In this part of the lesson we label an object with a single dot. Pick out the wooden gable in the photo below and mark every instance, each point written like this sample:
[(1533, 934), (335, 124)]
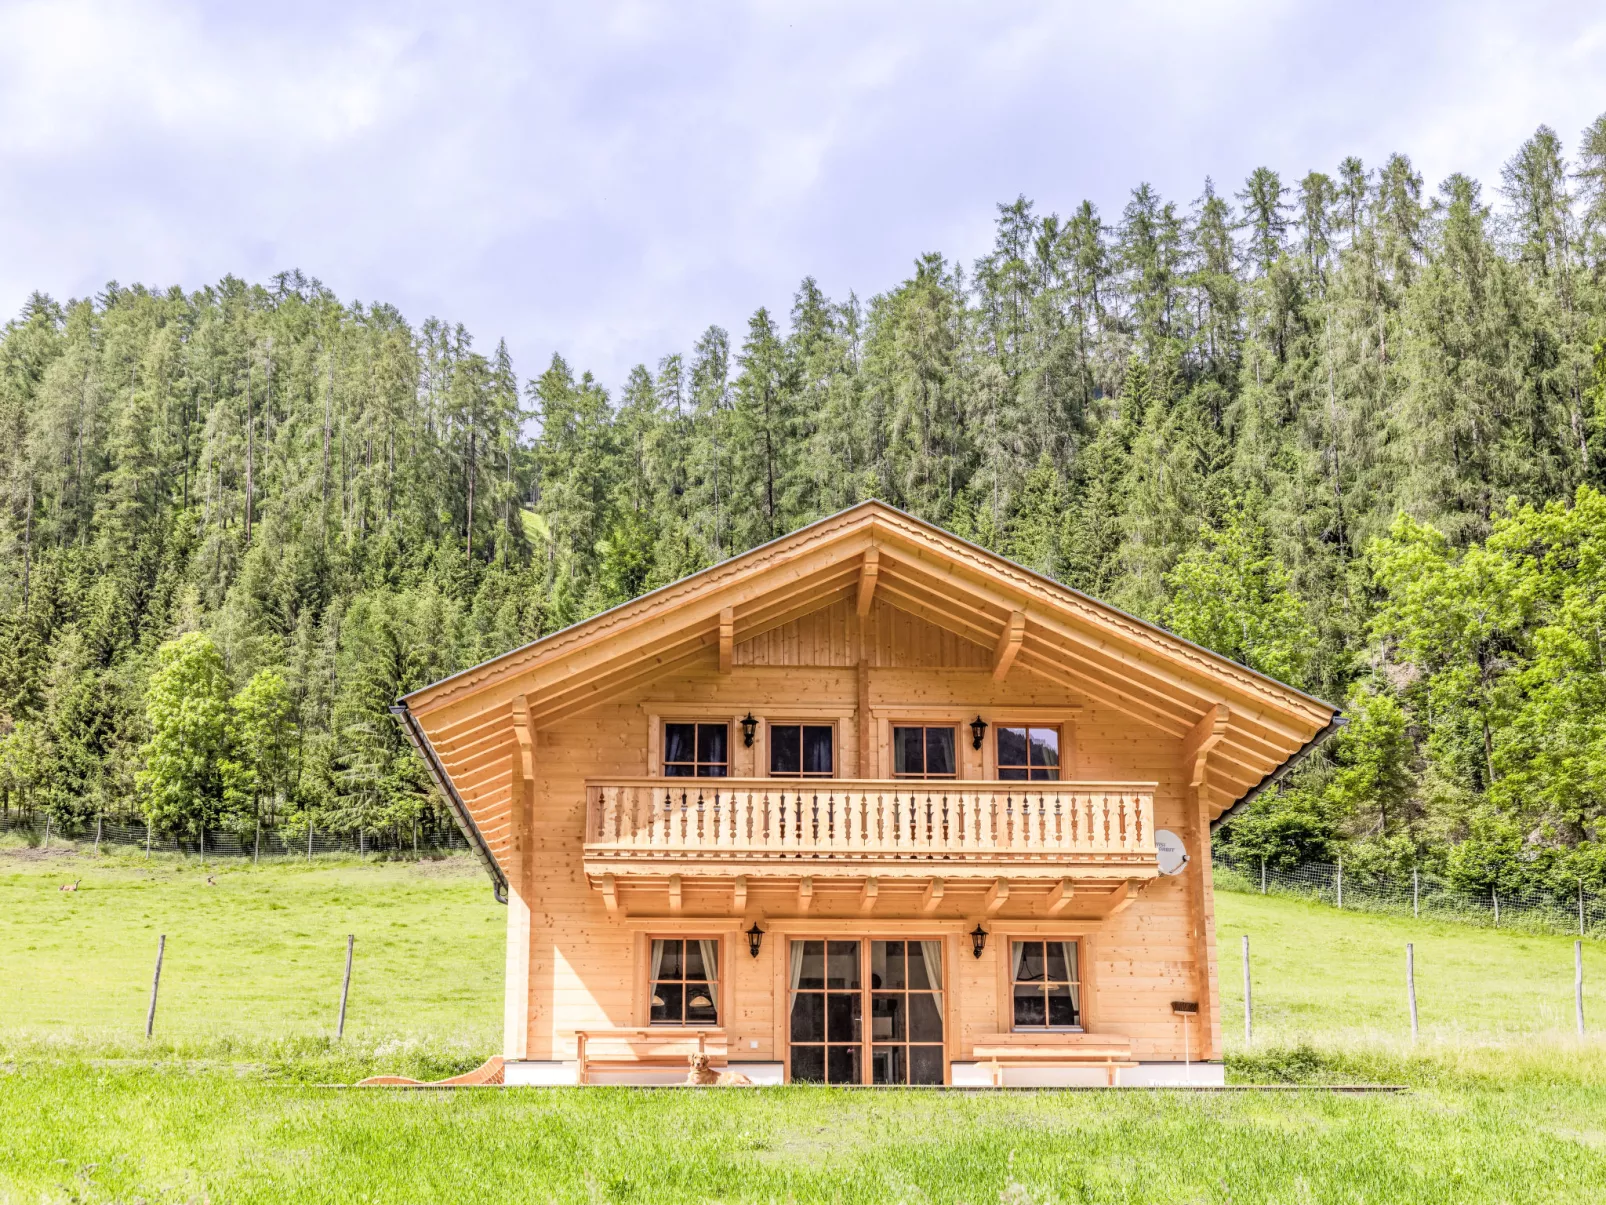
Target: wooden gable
[(930, 600), (895, 639)]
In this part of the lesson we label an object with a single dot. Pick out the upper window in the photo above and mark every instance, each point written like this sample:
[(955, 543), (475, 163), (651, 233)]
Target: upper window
[(922, 752), (1046, 986), (801, 750), (1032, 753), (685, 981), (696, 750)]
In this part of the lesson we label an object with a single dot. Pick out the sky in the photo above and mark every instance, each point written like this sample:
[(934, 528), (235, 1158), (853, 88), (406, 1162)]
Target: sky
[(604, 180)]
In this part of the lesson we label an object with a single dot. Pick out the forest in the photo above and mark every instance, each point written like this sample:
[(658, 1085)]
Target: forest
[(1348, 430)]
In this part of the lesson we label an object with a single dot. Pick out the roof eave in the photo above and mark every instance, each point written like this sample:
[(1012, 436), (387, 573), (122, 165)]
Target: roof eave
[(1338, 721)]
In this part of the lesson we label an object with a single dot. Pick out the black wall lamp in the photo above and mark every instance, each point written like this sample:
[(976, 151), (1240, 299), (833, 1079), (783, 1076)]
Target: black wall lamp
[(755, 938), (749, 727), (978, 940), (977, 727)]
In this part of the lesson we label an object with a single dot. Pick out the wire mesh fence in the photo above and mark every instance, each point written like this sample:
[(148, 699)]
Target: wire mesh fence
[(41, 831), (1421, 894)]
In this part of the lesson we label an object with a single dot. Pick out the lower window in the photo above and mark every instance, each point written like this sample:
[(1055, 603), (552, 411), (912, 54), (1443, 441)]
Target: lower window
[(684, 977), (835, 985), (1046, 985)]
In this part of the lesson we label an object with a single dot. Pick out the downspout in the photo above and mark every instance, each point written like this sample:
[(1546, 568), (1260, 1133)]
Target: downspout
[(460, 813), (1338, 721)]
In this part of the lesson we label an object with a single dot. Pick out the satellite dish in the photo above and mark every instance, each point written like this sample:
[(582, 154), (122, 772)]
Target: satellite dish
[(1172, 854)]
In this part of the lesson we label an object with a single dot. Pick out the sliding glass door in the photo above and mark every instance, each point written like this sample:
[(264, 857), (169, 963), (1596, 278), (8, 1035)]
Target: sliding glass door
[(835, 985)]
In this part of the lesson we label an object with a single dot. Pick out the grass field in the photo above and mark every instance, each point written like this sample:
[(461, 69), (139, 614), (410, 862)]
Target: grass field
[(1505, 1103)]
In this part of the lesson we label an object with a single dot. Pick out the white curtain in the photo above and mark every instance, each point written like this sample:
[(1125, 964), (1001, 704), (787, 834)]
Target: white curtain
[(710, 949), (1020, 954), (1075, 976), (931, 951), (657, 961), (797, 974)]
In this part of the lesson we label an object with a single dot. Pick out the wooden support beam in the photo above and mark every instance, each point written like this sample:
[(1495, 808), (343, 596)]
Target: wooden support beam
[(727, 638), (997, 895), (1201, 739), (805, 894), (1009, 645), (932, 897), (674, 894), (610, 894), (1060, 897), (869, 571), (1121, 898), (739, 896), (867, 898)]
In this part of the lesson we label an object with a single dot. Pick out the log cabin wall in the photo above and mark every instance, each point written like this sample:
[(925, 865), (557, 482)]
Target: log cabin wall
[(586, 963)]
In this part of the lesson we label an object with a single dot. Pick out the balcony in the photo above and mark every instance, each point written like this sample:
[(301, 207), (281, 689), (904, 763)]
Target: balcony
[(893, 827)]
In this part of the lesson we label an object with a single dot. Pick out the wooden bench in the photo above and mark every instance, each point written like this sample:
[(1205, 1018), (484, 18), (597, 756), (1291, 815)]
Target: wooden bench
[(1050, 1049), (644, 1048)]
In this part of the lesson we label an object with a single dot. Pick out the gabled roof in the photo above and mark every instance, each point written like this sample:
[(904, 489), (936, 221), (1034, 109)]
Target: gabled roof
[(1251, 726)]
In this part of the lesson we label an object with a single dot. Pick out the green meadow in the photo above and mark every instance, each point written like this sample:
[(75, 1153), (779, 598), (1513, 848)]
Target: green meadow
[(225, 1102)]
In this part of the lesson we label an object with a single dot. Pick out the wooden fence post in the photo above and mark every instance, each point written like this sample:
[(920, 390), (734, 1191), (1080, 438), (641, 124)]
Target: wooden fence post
[(1341, 883), (1263, 876), (203, 845), (1578, 984), (1249, 1032), (1410, 985), (47, 831), (309, 840), (156, 982), (345, 989), (1495, 896), (97, 835)]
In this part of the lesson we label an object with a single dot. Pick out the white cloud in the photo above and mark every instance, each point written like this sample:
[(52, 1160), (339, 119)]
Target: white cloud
[(605, 180)]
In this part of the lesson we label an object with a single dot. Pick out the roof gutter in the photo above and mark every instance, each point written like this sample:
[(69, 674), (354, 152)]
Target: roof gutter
[(460, 812), (1338, 721)]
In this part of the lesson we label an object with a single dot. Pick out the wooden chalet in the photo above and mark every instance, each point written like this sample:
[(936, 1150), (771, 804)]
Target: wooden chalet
[(868, 804)]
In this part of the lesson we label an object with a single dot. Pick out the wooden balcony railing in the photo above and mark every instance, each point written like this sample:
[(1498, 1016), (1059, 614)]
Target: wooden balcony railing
[(781, 819)]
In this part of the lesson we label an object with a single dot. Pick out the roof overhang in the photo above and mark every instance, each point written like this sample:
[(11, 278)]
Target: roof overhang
[(1251, 728)]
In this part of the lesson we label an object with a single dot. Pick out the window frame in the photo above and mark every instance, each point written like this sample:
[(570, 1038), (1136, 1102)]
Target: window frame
[(1008, 981), (1029, 726), (722, 994), (925, 726), (697, 723), (768, 746), (1066, 718)]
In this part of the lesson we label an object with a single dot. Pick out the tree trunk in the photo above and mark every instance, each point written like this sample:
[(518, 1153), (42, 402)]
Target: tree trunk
[(250, 457), (468, 523), (328, 419)]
